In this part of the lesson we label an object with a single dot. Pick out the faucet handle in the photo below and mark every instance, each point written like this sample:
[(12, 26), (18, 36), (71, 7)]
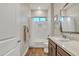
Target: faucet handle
[(64, 36)]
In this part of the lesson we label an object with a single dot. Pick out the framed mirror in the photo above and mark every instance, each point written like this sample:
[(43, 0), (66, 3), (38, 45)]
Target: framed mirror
[(69, 18), (68, 24)]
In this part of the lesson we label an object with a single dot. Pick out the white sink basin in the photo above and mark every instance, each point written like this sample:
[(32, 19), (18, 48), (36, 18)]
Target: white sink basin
[(58, 38), (61, 38), (65, 40)]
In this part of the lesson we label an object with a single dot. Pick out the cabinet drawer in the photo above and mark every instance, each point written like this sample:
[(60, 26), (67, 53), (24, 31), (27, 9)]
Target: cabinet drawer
[(52, 43), (62, 52)]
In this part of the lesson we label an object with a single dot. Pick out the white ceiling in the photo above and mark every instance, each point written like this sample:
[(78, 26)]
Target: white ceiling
[(43, 6)]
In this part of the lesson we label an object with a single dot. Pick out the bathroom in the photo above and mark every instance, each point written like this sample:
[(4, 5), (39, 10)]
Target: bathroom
[(39, 29)]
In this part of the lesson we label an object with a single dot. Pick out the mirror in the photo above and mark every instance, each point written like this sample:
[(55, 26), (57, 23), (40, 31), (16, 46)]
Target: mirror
[(68, 24), (69, 18)]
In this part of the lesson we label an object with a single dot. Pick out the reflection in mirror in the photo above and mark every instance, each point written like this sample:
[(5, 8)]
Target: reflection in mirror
[(70, 17), (68, 24)]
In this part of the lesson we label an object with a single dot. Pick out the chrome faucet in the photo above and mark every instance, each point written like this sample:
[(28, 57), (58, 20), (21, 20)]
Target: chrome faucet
[(64, 36)]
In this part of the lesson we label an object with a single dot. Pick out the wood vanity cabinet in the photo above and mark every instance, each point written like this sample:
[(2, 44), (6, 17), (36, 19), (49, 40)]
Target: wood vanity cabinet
[(51, 48), (61, 52), (55, 50)]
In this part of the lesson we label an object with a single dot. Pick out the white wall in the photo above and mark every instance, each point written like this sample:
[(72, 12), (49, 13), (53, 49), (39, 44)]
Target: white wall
[(24, 17), (43, 13), (57, 8), (51, 19)]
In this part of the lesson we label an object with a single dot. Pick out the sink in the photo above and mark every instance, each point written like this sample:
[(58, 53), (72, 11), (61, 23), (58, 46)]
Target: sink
[(65, 40), (59, 38)]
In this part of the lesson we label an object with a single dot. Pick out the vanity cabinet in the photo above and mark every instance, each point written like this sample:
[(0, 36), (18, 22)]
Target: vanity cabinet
[(51, 48), (61, 52), (55, 50)]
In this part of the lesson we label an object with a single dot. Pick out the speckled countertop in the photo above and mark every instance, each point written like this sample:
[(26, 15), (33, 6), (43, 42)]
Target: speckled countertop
[(70, 46)]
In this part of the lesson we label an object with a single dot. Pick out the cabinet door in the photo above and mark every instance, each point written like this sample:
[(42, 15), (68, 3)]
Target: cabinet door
[(62, 52), (58, 54), (53, 50), (49, 49)]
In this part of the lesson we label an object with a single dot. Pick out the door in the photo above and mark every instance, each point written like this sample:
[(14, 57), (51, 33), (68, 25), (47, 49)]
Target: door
[(9, 44)]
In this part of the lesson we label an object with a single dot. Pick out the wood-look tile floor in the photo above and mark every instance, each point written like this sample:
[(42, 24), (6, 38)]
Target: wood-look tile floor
[(36, 52)]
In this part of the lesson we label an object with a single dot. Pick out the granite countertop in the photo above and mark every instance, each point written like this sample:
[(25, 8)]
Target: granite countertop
[(70, 46)]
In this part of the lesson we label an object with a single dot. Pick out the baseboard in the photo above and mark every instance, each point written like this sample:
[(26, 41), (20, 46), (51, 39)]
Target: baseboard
[(25, 52)]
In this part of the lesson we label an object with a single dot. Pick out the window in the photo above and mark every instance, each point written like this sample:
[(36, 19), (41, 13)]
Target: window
[(39, 19), (35, 19), (42, 19), (61, 18)]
